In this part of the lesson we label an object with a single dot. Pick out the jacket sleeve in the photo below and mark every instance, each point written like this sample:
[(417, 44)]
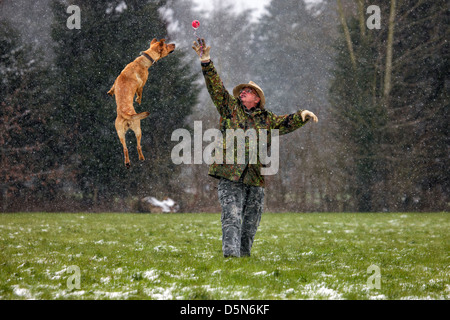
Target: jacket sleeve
[(219, 95), (286, 123)]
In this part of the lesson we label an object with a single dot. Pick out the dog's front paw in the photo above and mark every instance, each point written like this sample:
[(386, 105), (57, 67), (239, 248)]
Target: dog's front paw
[(128, 165)]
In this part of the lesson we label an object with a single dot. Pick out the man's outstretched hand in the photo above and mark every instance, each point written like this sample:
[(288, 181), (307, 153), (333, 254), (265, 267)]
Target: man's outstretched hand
[(201, 49), (306, 115)]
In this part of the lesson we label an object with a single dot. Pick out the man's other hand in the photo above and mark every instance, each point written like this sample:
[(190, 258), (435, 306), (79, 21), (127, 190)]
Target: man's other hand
[(306, 115)]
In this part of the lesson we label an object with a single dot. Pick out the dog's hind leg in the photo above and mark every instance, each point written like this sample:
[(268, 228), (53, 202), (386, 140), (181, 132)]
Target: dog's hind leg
[(121, 133), (138, 133)]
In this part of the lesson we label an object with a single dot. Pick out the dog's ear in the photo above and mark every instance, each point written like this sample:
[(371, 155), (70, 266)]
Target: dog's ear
[(153, 41), (161, 45)]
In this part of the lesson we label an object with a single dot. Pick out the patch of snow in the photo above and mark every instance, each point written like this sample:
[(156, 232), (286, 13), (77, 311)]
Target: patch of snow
[(151, 275), (118, 271), (320, 290), (165, 248), (114, 295), (22, 292), (105, 279), (289, 291), (166, 205), (161, 293)]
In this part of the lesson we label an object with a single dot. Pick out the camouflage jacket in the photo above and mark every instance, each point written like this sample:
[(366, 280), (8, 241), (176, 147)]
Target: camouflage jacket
[(234, 115)]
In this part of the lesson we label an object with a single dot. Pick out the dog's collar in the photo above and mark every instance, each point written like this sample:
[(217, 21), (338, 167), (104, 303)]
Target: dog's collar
[(148, 57)]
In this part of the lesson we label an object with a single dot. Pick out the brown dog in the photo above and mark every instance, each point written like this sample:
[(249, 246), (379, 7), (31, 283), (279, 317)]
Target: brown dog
[(130, 82)]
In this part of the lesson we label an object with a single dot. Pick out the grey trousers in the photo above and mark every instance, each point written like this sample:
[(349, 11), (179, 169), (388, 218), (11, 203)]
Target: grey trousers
[(242, 206)]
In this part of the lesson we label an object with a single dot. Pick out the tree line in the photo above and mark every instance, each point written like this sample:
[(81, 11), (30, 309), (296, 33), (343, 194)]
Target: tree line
[(381, 95)]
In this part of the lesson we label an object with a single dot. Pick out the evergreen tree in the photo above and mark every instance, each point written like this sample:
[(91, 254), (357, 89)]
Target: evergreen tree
[(28, 168), (88, 60)]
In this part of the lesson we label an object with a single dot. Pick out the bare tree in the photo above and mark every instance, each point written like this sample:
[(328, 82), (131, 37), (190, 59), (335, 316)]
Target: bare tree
[(389, 53)]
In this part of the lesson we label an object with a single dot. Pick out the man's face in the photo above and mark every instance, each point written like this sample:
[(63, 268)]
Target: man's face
[(249, 97)]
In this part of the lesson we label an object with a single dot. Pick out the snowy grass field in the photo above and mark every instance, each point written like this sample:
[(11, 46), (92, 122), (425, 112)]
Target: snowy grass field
[(178, 256)]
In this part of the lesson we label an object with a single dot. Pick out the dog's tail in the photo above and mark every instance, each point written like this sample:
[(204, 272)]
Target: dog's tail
[(140, 116), (111, 91)]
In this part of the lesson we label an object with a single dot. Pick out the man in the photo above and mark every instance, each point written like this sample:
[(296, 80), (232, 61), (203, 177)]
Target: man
[(241, 185)]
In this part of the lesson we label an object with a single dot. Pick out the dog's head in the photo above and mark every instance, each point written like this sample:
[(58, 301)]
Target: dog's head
[(161, 47)]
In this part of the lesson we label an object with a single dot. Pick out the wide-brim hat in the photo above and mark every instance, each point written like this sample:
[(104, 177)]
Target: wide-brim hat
[(251, 84)]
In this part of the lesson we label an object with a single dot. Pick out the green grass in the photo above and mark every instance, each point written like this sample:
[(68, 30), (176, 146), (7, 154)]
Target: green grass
[(178, 256)]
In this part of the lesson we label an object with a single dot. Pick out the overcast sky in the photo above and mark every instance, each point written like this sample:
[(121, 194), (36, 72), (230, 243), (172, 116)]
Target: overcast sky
[(239, 5), (257, 5)]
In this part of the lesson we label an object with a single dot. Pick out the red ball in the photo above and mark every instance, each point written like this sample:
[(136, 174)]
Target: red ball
[(195, 24)]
